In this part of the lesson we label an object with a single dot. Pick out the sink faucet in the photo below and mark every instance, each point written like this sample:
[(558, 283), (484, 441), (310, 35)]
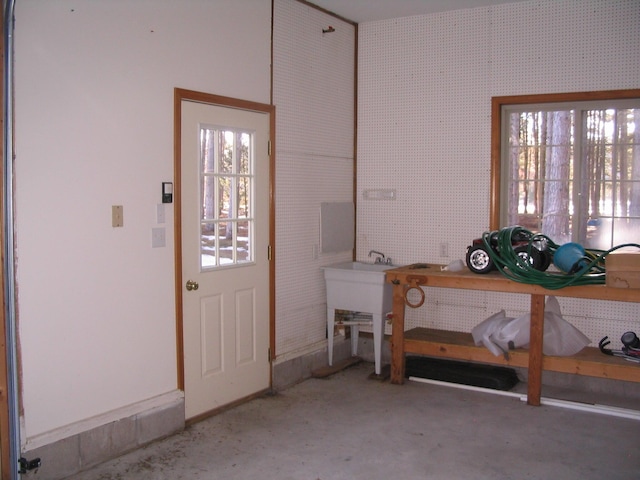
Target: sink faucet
[(380, 258)]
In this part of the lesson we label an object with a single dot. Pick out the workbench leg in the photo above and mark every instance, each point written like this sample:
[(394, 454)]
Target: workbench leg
[(535, 350), (397, 336)]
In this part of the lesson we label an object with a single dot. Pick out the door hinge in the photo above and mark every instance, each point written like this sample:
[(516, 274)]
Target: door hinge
[(26, 465), (269, 354), (269, 148), (269, 253)]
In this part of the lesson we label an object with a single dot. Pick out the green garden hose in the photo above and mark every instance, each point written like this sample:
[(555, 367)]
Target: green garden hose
[(519, 269)]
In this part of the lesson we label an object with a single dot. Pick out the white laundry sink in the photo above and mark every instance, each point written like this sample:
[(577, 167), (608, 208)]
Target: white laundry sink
[(358, 287)]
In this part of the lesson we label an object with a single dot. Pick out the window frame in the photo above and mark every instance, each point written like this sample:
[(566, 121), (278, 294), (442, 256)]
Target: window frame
[(497, 104)]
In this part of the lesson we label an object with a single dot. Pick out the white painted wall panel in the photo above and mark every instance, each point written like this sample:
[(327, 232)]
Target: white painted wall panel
[(94, 128)]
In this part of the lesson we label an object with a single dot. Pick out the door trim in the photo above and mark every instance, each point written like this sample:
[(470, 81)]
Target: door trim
[(181, 95)]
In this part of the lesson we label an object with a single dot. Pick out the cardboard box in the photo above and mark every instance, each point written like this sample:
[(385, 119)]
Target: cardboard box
[(623, 269)]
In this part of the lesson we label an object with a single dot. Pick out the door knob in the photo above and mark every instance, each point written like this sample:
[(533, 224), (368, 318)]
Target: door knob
[(191, 285)]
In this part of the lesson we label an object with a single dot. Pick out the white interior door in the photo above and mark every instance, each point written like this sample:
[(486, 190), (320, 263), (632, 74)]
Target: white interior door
[(225, 265)]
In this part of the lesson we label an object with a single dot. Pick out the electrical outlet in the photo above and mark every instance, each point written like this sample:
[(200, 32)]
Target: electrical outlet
[(444, 249)]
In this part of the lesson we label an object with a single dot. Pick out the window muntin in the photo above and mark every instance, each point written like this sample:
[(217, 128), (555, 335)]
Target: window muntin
[(570, 170), (226, 193)]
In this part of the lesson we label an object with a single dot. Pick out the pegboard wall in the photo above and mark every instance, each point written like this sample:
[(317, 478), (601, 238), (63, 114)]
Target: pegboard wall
[(424, 93), (422, 88), (313, 91), (424, 107)]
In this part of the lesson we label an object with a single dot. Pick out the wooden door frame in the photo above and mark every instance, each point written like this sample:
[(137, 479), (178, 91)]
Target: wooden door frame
[(181, 95)]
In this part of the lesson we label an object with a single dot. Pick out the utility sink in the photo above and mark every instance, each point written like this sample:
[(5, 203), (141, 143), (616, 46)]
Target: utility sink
[(358, 287)]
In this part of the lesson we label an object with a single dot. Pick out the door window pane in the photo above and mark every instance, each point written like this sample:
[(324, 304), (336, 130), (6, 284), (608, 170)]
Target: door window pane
[(226, 188)]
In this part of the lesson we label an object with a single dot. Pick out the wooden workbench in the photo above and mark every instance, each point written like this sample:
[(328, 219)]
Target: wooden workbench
[(456, 345)]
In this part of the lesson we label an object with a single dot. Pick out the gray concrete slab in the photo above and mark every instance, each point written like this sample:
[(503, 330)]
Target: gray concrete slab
[(349, 427)]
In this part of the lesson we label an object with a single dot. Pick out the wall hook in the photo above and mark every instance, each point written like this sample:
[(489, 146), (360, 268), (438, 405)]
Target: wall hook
[(329, 29)]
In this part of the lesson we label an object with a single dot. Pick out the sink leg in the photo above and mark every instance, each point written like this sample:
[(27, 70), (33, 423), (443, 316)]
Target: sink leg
[(355, 333), (331, 321), (378, 335)]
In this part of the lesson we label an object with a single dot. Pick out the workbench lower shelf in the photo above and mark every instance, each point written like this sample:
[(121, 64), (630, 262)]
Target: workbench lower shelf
[(460, 346)]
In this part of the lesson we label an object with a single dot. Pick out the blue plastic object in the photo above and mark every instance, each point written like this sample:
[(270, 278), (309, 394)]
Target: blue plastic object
[(570, 258)]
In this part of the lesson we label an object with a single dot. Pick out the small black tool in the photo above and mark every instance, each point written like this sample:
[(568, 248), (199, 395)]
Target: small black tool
[(26, 465), (630, 340), (603, 343)]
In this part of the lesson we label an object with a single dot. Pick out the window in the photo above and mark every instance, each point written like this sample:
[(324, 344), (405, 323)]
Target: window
[(568, 166), (226, 193)]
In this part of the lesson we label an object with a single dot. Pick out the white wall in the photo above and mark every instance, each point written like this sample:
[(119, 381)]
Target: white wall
[(94, 128), (425, 85)]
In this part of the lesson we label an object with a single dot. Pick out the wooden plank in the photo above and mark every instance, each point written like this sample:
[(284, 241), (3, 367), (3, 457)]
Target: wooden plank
[(397, 336), (516, 358), (536, 334), (460, 346), (591, 362), (328, 370), (432, 276)]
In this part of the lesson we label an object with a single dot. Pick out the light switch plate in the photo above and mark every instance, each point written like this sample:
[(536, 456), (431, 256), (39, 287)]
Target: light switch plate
[(117, 216)]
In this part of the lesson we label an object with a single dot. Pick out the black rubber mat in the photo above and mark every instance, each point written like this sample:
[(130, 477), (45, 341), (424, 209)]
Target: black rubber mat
[(465, 373)]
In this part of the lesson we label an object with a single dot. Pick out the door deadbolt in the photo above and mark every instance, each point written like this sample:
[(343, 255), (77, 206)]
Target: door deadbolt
[(191, 285)]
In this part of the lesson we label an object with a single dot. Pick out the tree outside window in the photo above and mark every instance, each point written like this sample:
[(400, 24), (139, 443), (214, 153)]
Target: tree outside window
[(568, 166)]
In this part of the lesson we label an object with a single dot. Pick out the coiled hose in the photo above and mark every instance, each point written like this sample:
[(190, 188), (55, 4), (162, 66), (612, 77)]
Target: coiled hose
[(519, 269)]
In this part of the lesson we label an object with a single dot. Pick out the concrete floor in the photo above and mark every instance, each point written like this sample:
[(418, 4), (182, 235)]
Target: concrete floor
[(349, 427)]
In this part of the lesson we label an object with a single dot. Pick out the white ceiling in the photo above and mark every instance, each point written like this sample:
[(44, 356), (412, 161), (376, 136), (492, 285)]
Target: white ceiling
[(370, 10)]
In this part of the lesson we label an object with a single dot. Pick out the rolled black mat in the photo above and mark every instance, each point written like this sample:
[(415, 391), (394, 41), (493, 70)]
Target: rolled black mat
[(465, 373)]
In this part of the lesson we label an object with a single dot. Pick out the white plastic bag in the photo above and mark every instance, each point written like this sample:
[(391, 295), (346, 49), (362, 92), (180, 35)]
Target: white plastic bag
[(512, 334), (482, 332), (496, 331), (500, 333), (560, 337)]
